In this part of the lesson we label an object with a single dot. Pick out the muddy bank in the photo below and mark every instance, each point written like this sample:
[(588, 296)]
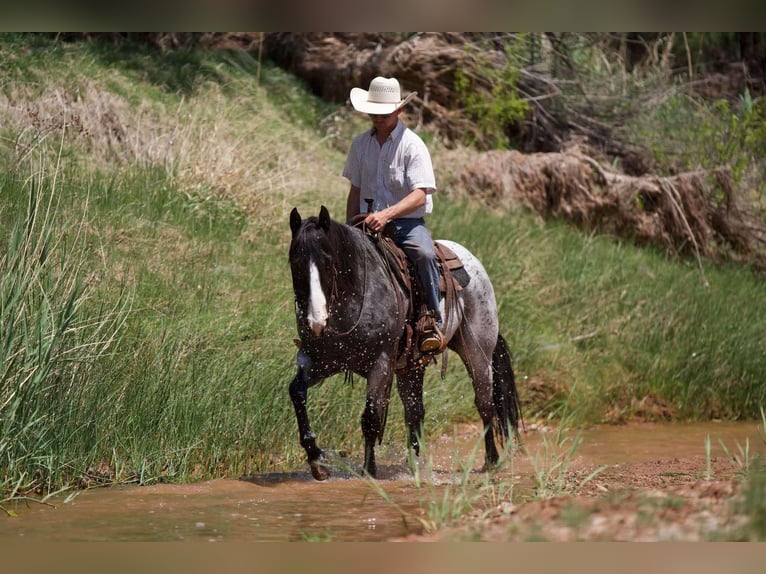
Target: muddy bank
[(658, 501), (661, 488)]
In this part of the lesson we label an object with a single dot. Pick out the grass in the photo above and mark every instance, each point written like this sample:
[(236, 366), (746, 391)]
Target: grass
[(153, 321), (750, 504), (53, 333), (607, 324), (552, 459), (445, 500)]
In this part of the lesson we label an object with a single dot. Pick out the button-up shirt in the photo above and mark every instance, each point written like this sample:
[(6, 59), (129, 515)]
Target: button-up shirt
[(389, 172)]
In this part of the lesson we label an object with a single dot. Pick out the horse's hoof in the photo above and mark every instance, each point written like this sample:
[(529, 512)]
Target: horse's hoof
[(319, 471), (372, 471)]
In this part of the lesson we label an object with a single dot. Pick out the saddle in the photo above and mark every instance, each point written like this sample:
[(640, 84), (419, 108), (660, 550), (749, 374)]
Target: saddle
[(452, 279)]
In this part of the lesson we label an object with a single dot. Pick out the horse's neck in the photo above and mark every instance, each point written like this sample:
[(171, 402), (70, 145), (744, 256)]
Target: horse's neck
[(371, 267)]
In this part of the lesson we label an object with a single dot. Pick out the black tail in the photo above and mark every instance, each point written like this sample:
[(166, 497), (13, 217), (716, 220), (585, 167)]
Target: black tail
[(504, 393)]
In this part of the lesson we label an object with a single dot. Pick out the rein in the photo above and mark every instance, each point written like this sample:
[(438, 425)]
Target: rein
[(382, 246), (333, 297)]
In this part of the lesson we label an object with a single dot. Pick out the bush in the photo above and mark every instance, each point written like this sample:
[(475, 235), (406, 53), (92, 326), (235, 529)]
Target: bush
[(497, 108)]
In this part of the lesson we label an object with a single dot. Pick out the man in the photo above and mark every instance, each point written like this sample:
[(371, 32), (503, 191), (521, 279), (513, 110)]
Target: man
[(390, 167)]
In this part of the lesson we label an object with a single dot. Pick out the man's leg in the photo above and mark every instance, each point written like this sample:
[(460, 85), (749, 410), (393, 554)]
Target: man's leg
[(415, 240)]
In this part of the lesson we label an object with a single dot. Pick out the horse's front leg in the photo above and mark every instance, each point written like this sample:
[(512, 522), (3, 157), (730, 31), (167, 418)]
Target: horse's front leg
[(410, 387), (299, 394), (376, 406)]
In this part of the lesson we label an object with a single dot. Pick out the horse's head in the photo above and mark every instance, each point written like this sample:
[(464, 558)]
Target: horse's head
[(323, 221), (322, 264), (312, 240)]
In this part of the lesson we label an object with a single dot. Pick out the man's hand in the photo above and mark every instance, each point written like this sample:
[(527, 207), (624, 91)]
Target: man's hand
[(376, 221)]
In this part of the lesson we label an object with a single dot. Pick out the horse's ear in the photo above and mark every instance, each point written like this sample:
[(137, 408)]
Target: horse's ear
[(324, 218), (295, 221)]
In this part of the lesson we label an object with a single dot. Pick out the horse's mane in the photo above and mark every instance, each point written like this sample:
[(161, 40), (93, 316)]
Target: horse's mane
[(346, 246)]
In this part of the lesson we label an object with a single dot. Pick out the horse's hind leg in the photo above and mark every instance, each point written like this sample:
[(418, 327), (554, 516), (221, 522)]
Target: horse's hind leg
[(410, 387), (299, 394), (482, 384), (479, 368)]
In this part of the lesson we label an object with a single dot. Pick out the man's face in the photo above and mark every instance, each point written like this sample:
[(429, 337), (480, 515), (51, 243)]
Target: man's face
[(384, 122)]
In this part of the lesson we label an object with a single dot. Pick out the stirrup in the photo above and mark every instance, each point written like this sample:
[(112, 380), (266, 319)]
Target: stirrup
[(426, 322), (433, 342), (431, 338)]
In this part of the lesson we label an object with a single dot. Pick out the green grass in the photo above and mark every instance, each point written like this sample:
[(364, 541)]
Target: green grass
[(608, 323), (149, 312)]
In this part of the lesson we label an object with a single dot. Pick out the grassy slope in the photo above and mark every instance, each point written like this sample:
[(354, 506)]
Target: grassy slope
[(174, 175)]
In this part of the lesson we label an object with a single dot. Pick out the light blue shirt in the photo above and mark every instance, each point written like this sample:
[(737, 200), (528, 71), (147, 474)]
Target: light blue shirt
[(389, 172)]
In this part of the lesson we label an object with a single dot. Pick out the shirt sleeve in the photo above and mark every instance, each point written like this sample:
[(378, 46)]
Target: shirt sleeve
[(353, 168), (420, 171)]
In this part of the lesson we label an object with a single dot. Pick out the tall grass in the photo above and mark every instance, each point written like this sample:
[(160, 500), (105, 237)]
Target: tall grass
[(175, 198), (52, 333)]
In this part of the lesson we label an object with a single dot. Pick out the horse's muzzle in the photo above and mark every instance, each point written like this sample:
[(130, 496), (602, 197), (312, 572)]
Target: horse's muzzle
[(317, 327)]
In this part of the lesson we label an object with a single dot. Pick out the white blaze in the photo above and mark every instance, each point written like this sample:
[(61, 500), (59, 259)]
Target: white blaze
[(317, 315)]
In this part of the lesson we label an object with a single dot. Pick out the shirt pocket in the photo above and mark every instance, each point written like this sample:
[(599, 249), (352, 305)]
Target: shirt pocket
[(395, 179)]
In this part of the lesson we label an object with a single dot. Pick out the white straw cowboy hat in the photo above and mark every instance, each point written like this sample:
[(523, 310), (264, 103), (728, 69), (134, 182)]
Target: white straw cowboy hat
[(383, 97)]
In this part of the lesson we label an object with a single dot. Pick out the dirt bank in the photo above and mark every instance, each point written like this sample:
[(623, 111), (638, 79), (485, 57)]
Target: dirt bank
[(691, 498)]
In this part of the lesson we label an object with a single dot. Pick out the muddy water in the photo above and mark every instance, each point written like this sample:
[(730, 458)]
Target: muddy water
[(292, 506), (645, 442)]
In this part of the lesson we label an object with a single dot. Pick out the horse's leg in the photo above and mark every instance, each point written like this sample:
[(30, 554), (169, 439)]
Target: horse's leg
[(482, 384), (410, 387), (299, 394), (376, 406), (478, 363)]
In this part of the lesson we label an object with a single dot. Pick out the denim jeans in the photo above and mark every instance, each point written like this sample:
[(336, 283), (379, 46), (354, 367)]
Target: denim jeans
[(413, 237)]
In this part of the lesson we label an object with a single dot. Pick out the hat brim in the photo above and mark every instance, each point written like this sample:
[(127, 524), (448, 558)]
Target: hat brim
[(359, 100)]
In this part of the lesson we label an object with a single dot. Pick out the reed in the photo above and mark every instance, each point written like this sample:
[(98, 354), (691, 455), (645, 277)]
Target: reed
[(53, 332)]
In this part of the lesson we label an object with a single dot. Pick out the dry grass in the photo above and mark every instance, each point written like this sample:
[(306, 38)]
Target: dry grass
[(215, 146)]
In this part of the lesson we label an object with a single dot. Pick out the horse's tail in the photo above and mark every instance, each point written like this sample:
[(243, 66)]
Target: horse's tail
[(504, 393)]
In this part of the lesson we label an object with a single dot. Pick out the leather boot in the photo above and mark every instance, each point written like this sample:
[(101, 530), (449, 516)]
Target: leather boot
[(432, 340)]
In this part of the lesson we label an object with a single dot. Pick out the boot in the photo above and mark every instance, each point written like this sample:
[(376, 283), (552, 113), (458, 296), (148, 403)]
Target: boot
[(432, 339)]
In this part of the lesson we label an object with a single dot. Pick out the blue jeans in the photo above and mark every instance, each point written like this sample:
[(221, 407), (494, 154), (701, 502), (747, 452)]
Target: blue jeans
[(413, 237)]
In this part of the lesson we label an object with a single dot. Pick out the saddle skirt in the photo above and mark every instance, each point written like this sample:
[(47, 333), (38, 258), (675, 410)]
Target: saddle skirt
[(450, 266)]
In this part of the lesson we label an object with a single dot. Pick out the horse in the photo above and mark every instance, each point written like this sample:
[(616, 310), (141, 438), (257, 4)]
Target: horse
[(350, 315)]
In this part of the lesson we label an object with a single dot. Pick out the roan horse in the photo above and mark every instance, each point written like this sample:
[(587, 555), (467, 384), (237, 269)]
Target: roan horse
[(349, 318)]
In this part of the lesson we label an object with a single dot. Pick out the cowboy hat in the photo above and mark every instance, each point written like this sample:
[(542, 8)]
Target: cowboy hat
[(383, 97)]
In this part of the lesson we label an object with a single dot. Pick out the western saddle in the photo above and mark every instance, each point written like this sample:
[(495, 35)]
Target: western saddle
[(452, 278)]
